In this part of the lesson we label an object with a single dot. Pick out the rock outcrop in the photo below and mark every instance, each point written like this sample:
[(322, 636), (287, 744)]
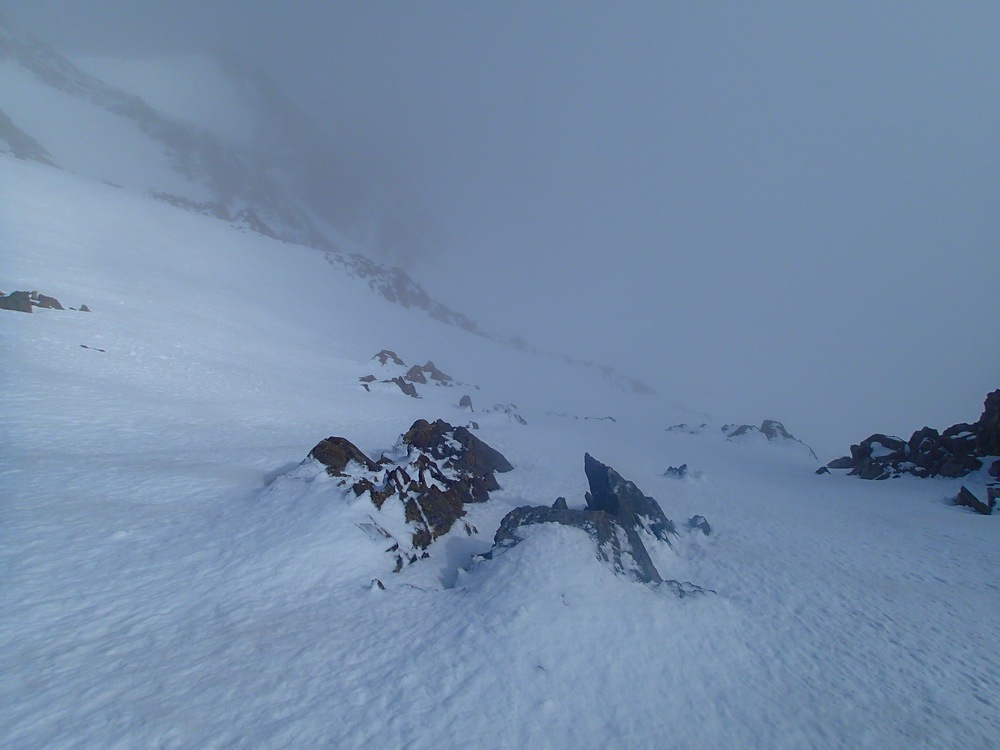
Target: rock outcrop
[(618, 518), (772, 429), (967, 498), (22, 301), (955, 452), (438, 470)]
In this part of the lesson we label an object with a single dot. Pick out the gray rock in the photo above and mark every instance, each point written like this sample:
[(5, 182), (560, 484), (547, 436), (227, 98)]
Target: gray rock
[(969, 500), (699, 522)]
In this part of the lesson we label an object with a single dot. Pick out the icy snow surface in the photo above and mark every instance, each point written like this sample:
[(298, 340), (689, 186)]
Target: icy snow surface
[(154, 592)]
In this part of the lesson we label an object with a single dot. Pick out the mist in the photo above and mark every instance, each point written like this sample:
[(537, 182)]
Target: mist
[(791, 210)]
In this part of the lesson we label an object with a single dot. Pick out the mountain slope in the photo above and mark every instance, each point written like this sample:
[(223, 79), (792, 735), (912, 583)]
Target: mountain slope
[(161, 588)]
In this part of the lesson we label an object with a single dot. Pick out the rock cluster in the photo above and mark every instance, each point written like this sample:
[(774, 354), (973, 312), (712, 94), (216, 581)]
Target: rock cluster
[(26, 301), (439, 469), (955, 452), (772, 429), (408, 380), (618, 518)]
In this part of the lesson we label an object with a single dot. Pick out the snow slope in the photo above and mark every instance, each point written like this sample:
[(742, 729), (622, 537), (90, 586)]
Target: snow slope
[(160, 589)]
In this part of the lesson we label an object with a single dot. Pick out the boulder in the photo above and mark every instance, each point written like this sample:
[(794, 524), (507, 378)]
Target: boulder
[(50, 303), (84, 308), (465, 403), (435, 374), (16, 301), (994, 470)]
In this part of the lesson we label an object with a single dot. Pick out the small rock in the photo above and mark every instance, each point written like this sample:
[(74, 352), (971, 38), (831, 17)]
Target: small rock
[(676, 471), (560, 504), (466, 402), (699, 522), (84, 308)]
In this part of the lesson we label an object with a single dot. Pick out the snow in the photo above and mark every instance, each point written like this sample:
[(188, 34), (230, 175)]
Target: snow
[(160, 588)]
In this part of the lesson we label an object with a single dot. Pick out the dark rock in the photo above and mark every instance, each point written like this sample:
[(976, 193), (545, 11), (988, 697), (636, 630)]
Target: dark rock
[(732, 430), (368, 379), (676, 471), (386, 355), (600, 419), (844, 462), (416, 375), (473, 425), (822, 470), (472, 454), (988, 439), (435, 374), (560, 504), (466, 403), (773, 430), (969, 500), (612, 493), (16, 301), (336, 453), (954, 467), (602, 528), (408, 388), (50, 303), (84, 308), (995, 469), (699, 522)]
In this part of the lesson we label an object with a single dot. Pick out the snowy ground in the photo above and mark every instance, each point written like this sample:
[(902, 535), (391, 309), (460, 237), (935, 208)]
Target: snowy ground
[(155, 593)]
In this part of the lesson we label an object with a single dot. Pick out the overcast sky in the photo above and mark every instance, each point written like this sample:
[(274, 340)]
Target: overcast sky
[(784, 202)]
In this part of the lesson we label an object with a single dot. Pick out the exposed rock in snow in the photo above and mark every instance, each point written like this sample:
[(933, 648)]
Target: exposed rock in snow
[(421, 491), (699, 522), (772, 429), (968, 499), (617, 518), (22, 301), (953, 453), (510, 410), (386, 356)]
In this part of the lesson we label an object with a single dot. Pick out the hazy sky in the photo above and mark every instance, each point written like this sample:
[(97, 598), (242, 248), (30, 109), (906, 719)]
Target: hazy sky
[(785, 202)]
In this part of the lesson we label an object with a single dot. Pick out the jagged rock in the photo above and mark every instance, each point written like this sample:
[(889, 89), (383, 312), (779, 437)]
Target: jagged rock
[(678, 472), (822, 470), (50, 303), (416, 375), (600, 419), (84, 308), (367, 378), (435, 374), (336, 453), (772, 429), (617, 513), (845, 462), (733, 430), (466, 403), (387, 355), (969, 500), (437, 470), (612, 493), (632, 558), (16, 301), (689, 429), (408, 388), (459, 447), (699, 522)]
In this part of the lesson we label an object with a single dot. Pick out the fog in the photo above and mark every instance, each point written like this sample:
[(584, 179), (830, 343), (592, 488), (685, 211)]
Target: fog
[(793, 209)]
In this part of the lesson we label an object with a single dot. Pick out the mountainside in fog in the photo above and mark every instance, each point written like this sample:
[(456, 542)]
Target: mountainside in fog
[(211, 136)]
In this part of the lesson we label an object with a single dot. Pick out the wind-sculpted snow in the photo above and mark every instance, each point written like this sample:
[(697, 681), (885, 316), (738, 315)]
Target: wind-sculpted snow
[(155, 594)]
